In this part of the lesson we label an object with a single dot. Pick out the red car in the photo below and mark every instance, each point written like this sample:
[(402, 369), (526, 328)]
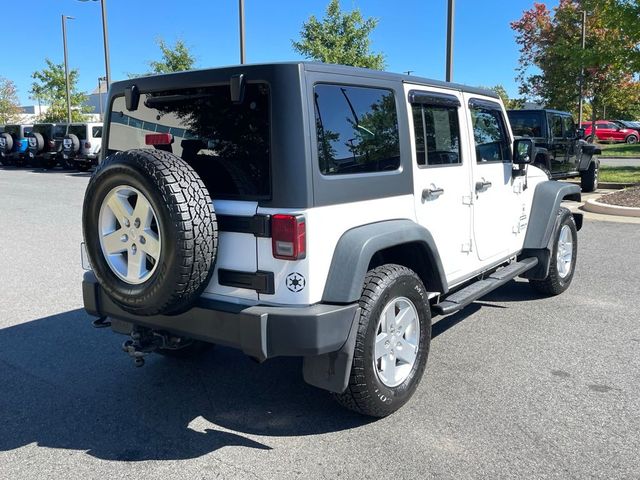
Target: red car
[(610, 132)]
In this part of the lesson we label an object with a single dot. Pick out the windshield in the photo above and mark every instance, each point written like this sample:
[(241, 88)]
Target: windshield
[(228, 144), (526, 124)]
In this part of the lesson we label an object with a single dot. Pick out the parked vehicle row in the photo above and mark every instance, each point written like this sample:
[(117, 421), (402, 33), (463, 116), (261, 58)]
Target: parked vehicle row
[(74, 145)]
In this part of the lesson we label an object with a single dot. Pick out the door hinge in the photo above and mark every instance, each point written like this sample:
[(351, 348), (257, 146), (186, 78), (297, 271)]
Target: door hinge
[(467, 200), (467, 247)]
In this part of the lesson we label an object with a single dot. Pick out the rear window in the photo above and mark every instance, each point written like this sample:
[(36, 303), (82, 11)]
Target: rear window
[(227, 144), (13, 130), (59, 131), (526, 124), (79, 131), (96, 132), (357, 129), (44, 129)]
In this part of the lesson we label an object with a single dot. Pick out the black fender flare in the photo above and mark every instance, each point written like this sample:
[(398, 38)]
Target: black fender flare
[(542, 151), (544, 219), (356, 248), (587, 153)]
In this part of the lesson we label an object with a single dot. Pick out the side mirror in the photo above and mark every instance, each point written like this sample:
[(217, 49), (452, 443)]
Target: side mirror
[(580, 133), (522, 151)]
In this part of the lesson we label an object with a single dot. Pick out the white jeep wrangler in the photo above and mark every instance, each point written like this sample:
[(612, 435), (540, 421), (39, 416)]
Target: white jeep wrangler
[(81, 145), (313, 210)]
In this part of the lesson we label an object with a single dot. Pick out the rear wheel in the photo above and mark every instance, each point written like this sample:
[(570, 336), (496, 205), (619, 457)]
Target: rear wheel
[(392, 342), (589, 178), (563, 257)]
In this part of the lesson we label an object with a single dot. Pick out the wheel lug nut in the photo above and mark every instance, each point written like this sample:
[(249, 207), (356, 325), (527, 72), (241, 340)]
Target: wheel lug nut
[(126, 222), (136, 223), (398, 345), (134, 248), (142, 240), (124, 238)]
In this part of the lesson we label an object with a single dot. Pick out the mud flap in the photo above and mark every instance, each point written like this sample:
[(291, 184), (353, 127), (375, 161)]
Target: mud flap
[(331, 371)]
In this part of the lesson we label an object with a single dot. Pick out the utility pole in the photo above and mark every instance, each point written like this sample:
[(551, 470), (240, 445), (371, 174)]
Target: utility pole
[(450, 18), (66, 64), (584, 36), (241, 15)]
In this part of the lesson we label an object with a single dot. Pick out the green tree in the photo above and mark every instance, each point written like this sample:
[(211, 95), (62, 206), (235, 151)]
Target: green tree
[(551, 54), (341, 38), (174, 59), (9, 103), (49, 88)]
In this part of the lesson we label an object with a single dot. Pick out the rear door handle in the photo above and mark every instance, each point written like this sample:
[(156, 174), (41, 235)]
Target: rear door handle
[(432, 192), (482, 185)]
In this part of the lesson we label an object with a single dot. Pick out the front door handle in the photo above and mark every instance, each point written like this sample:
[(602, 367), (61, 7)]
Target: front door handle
[(482, 185), (432, 192)]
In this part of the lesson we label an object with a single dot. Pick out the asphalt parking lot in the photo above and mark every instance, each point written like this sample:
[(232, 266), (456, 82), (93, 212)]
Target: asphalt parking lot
[(517, 386)]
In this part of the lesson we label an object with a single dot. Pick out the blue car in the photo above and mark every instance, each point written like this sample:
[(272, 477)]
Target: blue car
[(14, 144)]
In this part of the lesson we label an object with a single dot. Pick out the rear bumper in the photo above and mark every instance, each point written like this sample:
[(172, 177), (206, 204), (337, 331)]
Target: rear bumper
[(259, 331)]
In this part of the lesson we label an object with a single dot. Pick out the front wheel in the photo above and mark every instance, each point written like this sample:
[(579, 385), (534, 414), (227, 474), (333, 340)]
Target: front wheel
[(589, 178), (632, 139), (392, 342), (563, 257)]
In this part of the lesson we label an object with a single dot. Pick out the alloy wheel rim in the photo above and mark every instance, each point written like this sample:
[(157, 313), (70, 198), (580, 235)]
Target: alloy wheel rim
[(130, 236), (396, 342), (564, 256)]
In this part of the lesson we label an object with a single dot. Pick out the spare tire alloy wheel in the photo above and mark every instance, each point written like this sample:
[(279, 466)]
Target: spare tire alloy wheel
[(150, 231), (130, 237)]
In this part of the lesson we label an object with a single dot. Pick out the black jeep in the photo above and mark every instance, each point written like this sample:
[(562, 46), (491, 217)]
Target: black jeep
[(561, 151)]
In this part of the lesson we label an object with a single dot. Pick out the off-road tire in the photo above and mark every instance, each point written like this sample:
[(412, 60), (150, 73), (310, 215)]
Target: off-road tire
[(589, 178), (554, 284), (365, 393), (185, 217)]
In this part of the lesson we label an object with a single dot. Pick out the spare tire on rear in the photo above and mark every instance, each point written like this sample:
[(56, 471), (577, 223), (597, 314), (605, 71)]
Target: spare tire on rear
[(71, 143), (36, 142), (150, 231), (6, 142)]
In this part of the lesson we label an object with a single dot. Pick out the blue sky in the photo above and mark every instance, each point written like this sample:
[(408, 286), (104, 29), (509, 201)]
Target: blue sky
[(411, 34)]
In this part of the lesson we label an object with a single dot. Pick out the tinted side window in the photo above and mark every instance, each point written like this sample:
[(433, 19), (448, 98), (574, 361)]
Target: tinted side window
[(556, 126), (96, 132), (569, 127), (437, 135), (357, 129), (490, 135)]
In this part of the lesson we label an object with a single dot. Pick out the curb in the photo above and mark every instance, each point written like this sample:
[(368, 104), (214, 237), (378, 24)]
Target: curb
[(594, 206), (616, 186)]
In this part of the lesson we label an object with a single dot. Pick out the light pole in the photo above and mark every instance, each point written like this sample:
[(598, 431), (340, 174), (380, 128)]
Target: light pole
[(241, 15), (450, 18), (105, 35), (66, 64), (584, 35)]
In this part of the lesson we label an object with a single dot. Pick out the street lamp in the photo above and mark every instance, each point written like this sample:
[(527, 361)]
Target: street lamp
[(105, 35), (241, 15), (100, 80), (66, 64), (450, 18)]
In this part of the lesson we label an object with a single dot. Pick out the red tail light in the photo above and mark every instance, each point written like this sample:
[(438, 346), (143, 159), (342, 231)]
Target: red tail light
[(87, 144), (288, 237), (158, 139)]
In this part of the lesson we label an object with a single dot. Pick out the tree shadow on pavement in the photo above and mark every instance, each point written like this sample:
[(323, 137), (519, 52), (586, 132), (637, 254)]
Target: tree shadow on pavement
[(64, 384)]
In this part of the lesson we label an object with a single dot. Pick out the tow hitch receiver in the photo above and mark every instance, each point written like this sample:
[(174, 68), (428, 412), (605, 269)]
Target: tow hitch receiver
[(144, 341)]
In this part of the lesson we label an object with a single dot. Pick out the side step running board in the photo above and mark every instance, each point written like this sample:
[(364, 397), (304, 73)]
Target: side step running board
[(473, 292)]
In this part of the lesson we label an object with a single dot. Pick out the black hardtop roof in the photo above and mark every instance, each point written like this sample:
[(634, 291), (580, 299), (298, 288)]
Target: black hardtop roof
[(313, 67), (548, 110)]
